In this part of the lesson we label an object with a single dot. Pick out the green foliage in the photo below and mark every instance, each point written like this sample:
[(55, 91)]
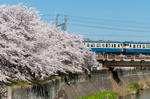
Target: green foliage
[(102, 95), (23, 83), (135, 85), (45, 79), (51, 77)]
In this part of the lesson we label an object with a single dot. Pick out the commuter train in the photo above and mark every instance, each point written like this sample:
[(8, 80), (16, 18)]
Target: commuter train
[(118, 47)]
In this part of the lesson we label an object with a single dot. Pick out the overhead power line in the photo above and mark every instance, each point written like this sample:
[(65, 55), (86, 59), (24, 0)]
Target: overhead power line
[(106, 19), (91, 19), (89, 22), (78, 21), (108, 28), (107, 35)]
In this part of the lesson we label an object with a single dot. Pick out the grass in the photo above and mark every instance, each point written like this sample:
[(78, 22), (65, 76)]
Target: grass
[(135, 86), (23, 83), (102, 95), (122, 91)]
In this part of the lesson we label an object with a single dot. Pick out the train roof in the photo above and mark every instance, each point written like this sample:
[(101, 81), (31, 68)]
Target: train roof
[(127, 42)]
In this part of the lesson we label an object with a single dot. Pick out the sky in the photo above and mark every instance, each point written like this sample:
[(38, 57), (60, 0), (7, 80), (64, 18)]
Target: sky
[(120, 20)]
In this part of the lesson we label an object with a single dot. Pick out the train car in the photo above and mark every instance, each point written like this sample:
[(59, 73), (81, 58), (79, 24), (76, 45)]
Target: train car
[(136, 47), (118, 47), (96, 46)]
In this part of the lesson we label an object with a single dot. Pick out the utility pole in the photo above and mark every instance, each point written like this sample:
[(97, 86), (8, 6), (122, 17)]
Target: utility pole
[(57, 20), (65, 23)]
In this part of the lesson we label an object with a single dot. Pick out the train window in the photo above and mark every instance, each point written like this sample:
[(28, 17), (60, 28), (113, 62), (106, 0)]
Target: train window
[(88, 45), (118, 45), (143, 46), (103, 45), (121, 45), (130, 45), (98, 45), (106, 45), (140, 46), (126, 44), (92, 45), (114, 45), (134, 46)]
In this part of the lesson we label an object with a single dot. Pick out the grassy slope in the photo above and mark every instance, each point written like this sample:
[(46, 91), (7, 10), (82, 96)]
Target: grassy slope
[(116, 93), (102, 95)]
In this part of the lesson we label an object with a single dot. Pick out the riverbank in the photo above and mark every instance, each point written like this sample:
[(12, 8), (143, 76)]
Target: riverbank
[(121, 92), (132, 89)]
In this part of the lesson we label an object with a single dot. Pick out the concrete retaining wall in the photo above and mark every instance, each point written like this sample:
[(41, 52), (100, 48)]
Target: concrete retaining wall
[(77, 86)]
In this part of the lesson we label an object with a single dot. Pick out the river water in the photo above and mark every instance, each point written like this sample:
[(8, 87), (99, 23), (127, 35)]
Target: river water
[(143, 95)]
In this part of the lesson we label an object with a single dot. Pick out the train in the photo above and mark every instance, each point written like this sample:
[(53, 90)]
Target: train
[(118, 47)]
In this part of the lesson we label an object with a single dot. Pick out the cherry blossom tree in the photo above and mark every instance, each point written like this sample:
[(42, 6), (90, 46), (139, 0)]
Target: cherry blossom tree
[(31, 49)]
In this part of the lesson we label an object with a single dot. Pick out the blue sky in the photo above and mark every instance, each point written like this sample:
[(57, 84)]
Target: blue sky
[(97, 19)]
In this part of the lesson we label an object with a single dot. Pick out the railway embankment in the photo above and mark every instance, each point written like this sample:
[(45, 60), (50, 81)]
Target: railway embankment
[(75, 86)]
